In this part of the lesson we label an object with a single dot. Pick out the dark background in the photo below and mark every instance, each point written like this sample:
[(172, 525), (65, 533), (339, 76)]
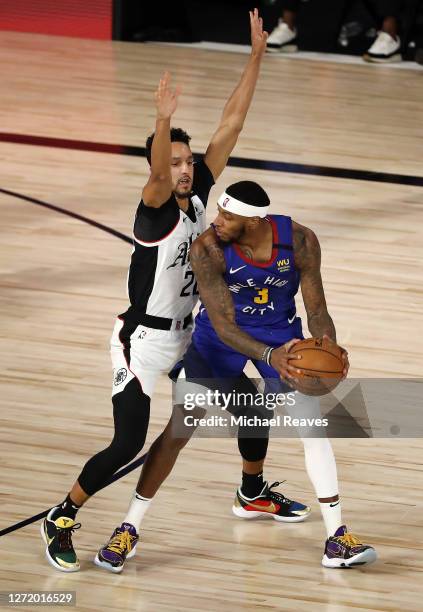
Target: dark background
[(335, 26)]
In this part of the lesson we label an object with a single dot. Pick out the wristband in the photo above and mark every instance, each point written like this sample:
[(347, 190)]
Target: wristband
[(266, 354)]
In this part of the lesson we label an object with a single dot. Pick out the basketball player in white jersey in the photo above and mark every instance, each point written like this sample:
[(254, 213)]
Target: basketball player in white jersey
[(155, 330)]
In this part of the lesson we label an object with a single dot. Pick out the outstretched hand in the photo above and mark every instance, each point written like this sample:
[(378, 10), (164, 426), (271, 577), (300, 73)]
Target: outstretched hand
[(166, 98), (258, 36)]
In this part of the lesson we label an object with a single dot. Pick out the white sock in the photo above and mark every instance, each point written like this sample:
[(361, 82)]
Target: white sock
[(137, 508), (321, 469), (319, 460), (331, 513)]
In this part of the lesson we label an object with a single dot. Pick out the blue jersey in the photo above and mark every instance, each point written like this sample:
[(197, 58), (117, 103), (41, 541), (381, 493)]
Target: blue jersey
[(263, 293), (264, 300)]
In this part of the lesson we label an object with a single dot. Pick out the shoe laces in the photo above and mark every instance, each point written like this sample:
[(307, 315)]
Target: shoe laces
[(276, 496), (120, 542), (348, 539), (64, 536)]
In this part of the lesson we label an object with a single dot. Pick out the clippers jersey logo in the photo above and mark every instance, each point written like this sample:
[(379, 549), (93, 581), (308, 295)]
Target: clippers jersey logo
[(120, 376), (182, 251)]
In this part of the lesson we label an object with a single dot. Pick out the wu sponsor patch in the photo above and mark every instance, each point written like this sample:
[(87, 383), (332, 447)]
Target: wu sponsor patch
[(120, 376), (283, 265)]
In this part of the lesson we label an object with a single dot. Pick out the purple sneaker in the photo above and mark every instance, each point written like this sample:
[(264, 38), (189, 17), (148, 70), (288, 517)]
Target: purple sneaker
[(120, 547), (345, 550)]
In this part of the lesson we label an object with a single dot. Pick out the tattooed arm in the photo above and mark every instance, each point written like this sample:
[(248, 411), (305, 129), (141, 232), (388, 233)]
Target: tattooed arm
[(307, 261), (208, 264)]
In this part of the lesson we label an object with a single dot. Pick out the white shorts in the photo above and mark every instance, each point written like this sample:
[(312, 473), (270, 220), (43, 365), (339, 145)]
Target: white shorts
[(143, 353)]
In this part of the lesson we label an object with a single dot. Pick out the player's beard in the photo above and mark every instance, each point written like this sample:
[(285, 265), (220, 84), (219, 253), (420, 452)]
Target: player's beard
[(229, 239), (182, 194)]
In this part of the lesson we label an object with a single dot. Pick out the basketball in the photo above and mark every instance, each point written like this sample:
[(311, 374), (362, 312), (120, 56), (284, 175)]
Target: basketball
[(321, 363)]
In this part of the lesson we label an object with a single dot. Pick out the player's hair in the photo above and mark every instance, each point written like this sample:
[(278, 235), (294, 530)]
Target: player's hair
[(176, 135), (248, 192)]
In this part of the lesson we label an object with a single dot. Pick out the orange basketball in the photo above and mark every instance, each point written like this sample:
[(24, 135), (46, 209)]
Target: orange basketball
[(321, 363)]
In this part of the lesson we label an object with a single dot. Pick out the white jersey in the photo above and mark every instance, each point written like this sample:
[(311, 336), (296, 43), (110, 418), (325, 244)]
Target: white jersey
[(161, 282)]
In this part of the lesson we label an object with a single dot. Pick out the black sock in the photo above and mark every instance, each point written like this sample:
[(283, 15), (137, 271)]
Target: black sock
[(252, 484), (66, 508)]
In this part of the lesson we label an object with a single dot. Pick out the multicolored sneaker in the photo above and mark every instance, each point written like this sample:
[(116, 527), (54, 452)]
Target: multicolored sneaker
[(345, 550), (269, 503), (57, 534), (120, 547)]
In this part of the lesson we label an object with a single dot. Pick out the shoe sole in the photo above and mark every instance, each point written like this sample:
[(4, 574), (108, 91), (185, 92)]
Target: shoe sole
[(365, 558), (382, 60), (50, 558), (251, 514), (111, 568), (284, 49)]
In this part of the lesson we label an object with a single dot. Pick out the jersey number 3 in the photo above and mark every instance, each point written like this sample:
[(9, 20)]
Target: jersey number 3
[(191, 287), (262, 297)]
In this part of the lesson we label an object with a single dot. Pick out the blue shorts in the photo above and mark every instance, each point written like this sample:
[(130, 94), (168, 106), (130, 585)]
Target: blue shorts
[(208, 357)]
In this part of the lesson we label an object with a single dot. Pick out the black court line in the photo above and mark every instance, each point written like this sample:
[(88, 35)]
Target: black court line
[(37, 517), (132, 466), (238, 162), (68, 213)]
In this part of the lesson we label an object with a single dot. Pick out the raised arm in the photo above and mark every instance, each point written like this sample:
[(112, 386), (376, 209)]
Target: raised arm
[(236, 108), (208, 264), (159, 185)]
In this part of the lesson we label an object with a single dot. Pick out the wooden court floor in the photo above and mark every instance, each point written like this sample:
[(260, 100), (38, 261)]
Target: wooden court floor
[(63, 282)]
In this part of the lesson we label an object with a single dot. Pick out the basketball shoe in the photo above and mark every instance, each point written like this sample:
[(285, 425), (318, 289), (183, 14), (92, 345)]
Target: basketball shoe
[(120, 547), (282, 38), (345, 550), (57, 534), (269, 503), (384, 49)]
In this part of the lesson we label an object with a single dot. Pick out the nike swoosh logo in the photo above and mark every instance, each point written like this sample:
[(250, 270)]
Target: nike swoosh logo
[(292, 320), (231, 271), (332, 505), (270, 508)]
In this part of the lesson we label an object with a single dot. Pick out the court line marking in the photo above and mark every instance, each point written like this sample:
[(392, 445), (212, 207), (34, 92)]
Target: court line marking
[(69, 213), (137, 462), (32, 519), (238, 162), (314, 56)]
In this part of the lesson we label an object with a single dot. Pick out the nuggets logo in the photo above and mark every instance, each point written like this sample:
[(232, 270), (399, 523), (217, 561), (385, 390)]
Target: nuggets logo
[(283, 265), (225, 201), (120, 376)]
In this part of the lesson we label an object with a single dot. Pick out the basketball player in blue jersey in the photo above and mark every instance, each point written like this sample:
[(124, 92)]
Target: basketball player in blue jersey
[(249, 266), (155, 330), (247, 281)]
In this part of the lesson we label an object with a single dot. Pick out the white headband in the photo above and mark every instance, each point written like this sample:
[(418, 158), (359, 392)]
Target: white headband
[(237, 207)]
